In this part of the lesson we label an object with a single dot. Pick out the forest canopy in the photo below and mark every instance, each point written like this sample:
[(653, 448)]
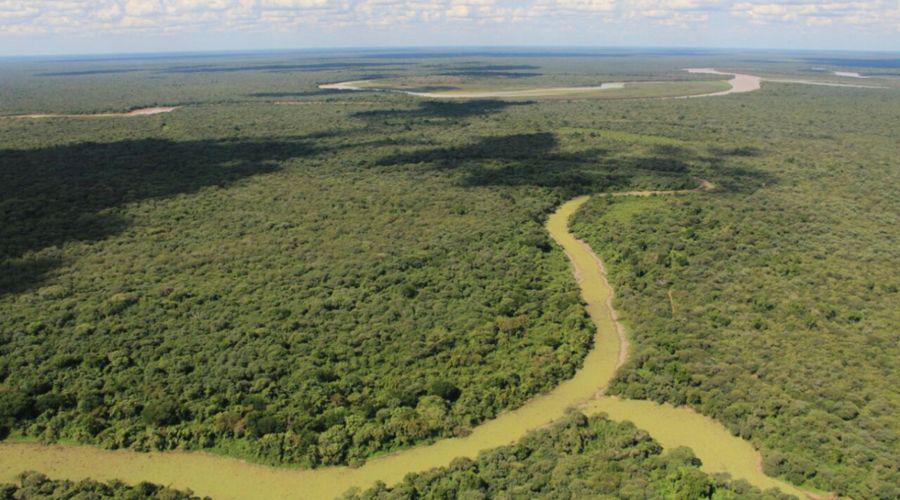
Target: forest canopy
[(32, 485), (298, 276), (579, 457)]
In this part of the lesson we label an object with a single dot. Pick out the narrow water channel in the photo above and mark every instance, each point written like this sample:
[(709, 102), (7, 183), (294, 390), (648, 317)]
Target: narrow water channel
[(223, 478)]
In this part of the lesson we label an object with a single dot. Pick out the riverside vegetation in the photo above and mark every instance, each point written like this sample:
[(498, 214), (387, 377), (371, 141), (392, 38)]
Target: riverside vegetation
[(229, 478), (319, 282), (772, 310), (37, 485), (578, 458)]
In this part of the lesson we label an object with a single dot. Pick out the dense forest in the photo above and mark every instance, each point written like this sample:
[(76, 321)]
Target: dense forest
[(579, 457), (775, 310), (291, 275), (157, 298), (290, 284), (32, 485)]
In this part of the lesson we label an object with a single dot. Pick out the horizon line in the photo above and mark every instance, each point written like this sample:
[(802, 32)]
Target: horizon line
[(461, 48)]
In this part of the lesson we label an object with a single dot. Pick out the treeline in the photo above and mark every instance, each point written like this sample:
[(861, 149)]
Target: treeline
[(579, 457), (773, 309), (32, 485), (285, 300), (313, 297), (316, 284)]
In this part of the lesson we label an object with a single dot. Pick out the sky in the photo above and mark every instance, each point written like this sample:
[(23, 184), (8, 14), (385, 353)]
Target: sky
[(38, 27)]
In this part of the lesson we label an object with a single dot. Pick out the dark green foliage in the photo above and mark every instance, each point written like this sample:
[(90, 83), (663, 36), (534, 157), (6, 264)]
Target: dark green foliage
[(785, 299), (578, 458), (293, 284), (161, 412), (260, 424), (15, 405), (274, 299), (33, 485), (53, 402), (435, 109), (541, 160), (308, 283), (444, 390), (63, 193)]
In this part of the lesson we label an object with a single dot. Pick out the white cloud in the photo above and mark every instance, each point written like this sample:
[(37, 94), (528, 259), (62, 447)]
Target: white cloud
[(587, 5), (109, 12), (18, 14), (458, 11), (143, 7), (820, 13), (122, 16), (292, 4)]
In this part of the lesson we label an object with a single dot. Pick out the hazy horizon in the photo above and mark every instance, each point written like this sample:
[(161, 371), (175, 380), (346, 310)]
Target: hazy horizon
[(460, 49)]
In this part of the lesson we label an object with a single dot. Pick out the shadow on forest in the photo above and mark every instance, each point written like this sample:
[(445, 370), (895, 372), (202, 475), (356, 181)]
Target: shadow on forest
[(738, 151), (587, 53), (50, 196), (482, 67), (855, 62), (442, 109), (307, 93), (496, 74), (535, 160), (90, 72), (280, 68)]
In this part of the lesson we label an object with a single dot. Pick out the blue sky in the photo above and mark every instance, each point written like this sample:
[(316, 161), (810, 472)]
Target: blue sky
[(105, 26)]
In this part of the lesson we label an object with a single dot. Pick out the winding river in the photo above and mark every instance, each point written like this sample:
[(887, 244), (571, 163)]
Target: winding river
[(135, 112), (222, 477), (739, 83), (465, 94)]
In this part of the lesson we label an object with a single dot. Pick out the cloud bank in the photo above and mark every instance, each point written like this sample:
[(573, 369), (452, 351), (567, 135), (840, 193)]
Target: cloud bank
[(352, 20)]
